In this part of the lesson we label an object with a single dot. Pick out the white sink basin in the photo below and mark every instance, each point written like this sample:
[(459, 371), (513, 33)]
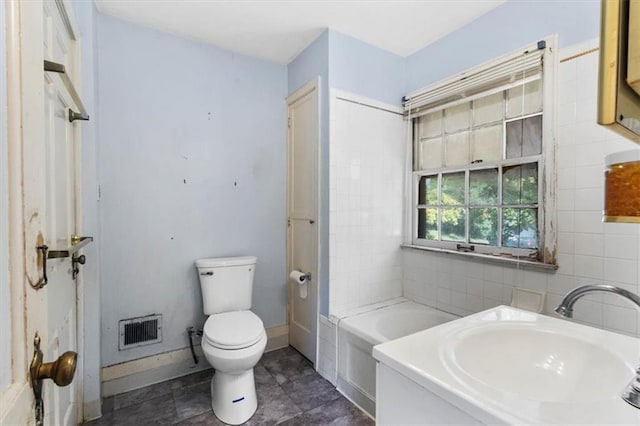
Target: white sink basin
[(537, 363), (505, 365)]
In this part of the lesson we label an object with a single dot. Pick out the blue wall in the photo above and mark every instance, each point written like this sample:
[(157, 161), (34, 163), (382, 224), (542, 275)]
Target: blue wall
[(311, 63), (345, 63), (510, 26), (192, 164), (360, 68), (216, 119)]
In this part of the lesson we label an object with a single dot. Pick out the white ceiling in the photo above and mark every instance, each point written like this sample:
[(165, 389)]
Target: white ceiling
[(277, 30)]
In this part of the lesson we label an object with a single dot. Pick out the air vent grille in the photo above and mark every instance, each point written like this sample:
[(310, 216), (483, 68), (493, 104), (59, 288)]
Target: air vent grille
[(140, 331)]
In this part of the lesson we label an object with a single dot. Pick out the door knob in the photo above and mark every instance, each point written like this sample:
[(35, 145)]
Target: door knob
[(61, 371), (75, 261)]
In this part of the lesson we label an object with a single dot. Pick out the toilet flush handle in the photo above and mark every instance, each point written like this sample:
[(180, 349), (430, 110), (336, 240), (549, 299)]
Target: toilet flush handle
[(206, 273)]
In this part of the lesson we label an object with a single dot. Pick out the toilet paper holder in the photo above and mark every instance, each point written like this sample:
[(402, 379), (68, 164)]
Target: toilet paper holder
[(306, 277)]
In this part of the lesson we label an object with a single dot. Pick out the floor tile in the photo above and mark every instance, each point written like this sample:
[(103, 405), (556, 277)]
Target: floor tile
[(193, 400), (311, 391), (204, 419), (192, 379), (286, 364), (274, 406), (263, 378), (289, 392), (140, 395), (157, 411), (106, 420), (108, 404), (338, 412)]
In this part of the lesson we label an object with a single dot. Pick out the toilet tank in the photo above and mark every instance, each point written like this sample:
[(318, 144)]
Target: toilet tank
[(226, 283)]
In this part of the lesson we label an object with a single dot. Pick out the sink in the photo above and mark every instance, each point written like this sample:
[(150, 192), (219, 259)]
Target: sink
[(506, 365), (536, 362)]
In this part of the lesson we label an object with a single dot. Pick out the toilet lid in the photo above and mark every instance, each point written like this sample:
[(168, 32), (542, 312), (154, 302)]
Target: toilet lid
[(233, 330)]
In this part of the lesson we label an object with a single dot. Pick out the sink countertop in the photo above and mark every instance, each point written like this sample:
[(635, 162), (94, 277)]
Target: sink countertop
[(555, 390)]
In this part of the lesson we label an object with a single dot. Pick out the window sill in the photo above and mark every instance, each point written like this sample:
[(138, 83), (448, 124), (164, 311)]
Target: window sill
[(527, 263)]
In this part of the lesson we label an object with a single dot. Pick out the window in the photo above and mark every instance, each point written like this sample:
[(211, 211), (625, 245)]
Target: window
[(482, 156)]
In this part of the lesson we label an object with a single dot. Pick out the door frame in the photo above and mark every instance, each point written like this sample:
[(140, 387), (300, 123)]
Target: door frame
[(312, 85), (25, 133)]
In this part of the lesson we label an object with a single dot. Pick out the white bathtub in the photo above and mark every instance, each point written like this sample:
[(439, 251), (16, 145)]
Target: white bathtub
[(358, 334)]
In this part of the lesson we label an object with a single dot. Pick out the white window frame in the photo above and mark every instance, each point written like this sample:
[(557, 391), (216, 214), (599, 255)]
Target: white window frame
[(545, 255)]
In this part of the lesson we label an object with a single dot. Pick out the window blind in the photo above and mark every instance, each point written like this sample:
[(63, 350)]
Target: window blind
[(504, 71)]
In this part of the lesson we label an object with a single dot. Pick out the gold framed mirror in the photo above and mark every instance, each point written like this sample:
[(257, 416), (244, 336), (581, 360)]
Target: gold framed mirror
[(619, 68)]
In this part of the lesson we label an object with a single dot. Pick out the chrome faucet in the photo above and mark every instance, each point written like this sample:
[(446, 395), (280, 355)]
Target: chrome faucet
[(632, 393)]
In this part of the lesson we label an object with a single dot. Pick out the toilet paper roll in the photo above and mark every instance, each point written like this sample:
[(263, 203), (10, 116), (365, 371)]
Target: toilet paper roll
[(300, 279), (297, 277)]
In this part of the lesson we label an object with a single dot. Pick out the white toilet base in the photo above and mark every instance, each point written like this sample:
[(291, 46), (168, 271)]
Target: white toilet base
[(233, 396)]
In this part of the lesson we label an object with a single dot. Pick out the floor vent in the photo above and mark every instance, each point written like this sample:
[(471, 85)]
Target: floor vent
[(140, 331)]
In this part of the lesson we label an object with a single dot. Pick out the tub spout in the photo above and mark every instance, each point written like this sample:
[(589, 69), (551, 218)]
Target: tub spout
[(632, 393), (565, 308)]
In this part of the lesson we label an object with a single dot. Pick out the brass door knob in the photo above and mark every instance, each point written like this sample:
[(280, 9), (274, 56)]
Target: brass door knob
[(61, 371)]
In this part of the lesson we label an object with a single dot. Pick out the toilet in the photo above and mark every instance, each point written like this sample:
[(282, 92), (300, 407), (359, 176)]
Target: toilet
[(233, 338)]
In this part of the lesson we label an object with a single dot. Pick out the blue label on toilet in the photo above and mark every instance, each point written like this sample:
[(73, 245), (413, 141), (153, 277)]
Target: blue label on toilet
[(238, 400)]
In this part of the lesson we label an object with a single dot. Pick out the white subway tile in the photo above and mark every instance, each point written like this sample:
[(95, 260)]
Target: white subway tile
[(565, 263), (533, 280), (565, 242), (621, 319), (492, 290), (589, 177), (566, 200), (561, 284), (588, 222), (589, 267), (589, 199), (589, 244), (566, 221), (566, 178), (621, 246), (458, 300), (590, 154), (621, 270), (588, 312)]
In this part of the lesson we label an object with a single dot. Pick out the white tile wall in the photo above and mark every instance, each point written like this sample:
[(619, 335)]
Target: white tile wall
[(327, 338), (367, 154), (589, 251)]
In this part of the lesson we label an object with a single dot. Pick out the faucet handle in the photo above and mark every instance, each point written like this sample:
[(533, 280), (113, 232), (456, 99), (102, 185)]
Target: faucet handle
[(632, 393)]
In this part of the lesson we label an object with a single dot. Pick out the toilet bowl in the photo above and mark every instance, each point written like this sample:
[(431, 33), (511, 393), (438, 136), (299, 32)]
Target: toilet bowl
[(233, 337), (233, 343)]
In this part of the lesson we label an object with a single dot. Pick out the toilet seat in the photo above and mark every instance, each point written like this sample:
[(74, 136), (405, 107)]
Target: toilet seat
[(233, 330)]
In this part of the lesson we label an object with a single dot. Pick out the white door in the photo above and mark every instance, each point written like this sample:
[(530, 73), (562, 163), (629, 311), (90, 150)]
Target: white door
[(61, 404), (44, 179), (302, 238)]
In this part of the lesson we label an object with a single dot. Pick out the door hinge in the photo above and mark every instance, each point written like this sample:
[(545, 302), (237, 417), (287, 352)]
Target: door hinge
[(289, 122), (288, 223), (98, 192)]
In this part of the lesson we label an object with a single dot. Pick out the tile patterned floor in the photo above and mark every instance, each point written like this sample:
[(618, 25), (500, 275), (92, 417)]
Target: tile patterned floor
[(289, 391)]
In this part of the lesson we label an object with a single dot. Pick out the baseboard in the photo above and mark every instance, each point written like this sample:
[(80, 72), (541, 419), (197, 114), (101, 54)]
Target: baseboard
[(158, 368), (277, 337), (92, 410), (146, 371)]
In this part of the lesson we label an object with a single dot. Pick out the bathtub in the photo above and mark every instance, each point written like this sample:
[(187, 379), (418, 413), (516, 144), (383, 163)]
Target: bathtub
[(358, 334)]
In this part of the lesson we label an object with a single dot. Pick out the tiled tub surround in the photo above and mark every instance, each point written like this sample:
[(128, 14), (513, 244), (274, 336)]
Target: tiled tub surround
[(289, 391), (358, 334), (589, 251), (367, 154)]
